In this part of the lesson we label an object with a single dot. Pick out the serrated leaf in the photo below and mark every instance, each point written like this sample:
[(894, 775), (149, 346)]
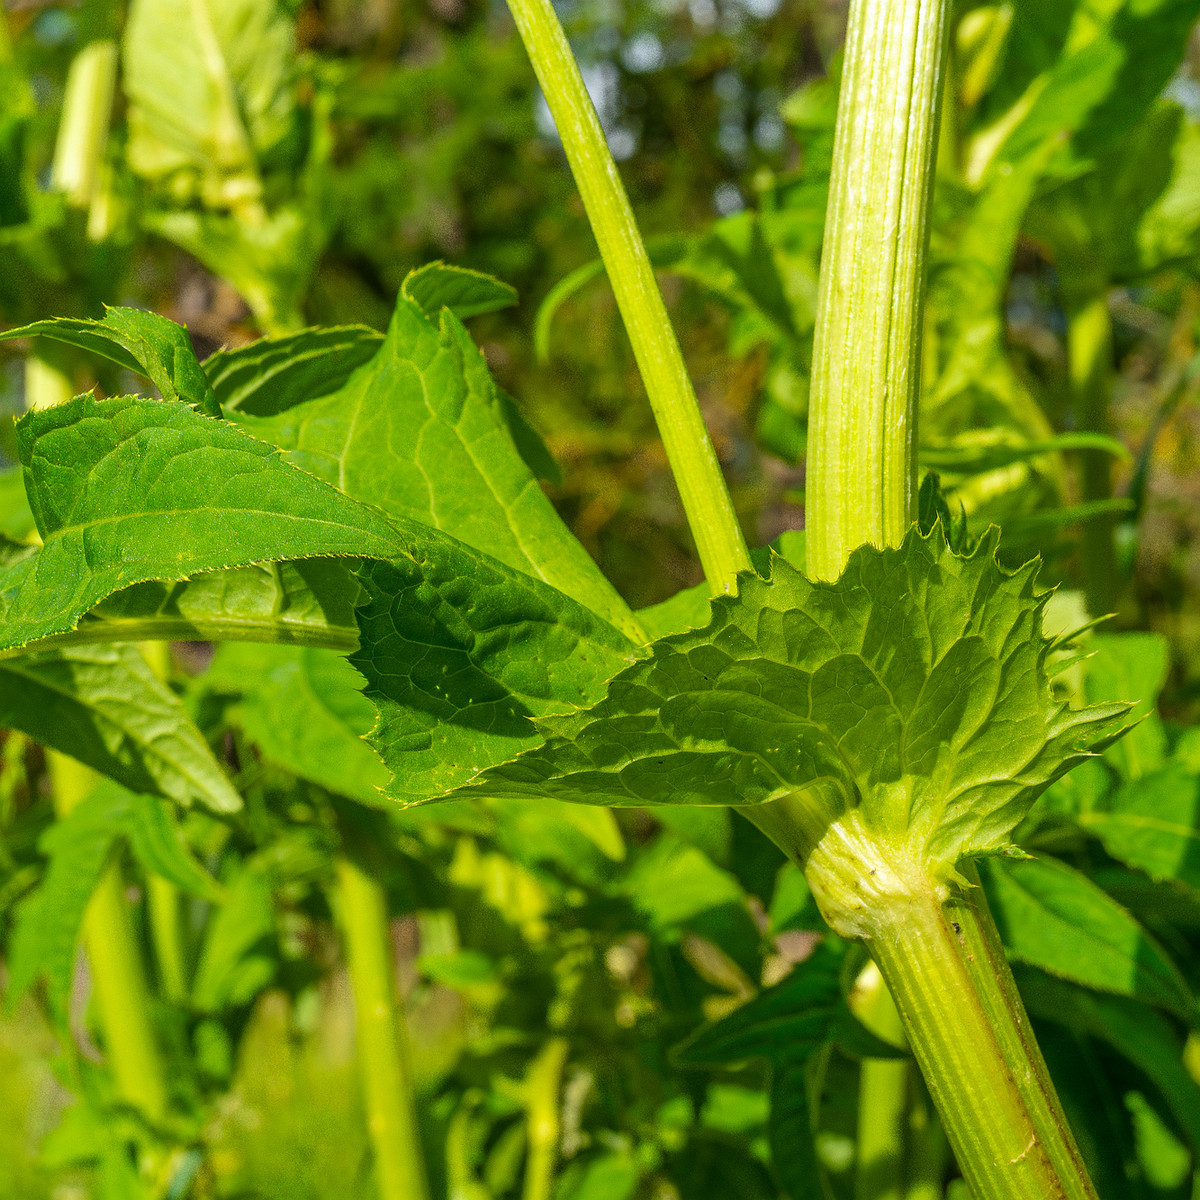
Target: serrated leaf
[(305, 711), (139, 341), (273, 374), (460, 653), (1153, 823), (104, 706), (914, 689), (310, 601), (1052, 917), (129, 490), (464, 292), (459, 649), (420, 432)]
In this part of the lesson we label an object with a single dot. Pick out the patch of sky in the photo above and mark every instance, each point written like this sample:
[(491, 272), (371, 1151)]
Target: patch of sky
[(1184, 90), (643, 53), (727, 199)]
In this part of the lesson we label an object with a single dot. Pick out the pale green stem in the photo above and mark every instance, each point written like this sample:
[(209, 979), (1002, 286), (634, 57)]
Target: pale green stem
[(384, 1062), (166, 932), (544, 1083), (1090, 356), (882, 1105), (861, 481), (83, 129), (162, 895), (117, 974), (693, 461)]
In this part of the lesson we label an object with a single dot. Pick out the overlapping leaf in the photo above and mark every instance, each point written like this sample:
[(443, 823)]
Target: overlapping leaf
[(129, 490), (914, 686), (420, 432), (459, 649), (140, 341)]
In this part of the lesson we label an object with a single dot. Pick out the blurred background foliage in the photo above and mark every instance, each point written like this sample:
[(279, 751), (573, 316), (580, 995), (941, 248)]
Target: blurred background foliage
[(291, 170)]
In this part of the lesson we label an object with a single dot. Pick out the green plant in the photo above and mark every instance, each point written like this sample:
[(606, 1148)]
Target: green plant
[(279, 494)]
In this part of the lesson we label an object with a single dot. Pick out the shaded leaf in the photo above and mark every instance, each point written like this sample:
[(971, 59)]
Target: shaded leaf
[(244, 919), (1143, 1036), (273, 374), (1153, 823), (305, 711), (130, 490), (1055, 918), (914, 687)]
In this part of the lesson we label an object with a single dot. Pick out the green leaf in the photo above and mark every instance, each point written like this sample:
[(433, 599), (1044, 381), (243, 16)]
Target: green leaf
[(16, 519), (1052, 917), (130, 490), (209, 90), (790, 1133), (305, 711), (788, 1025), (785, 1023), (458, 649), (158, 845), (673, 883), (464, 292), (1143, 1036), (1153, 823), (246, 917), (48, 920), (459, 653), (139, 341), (310, 601), (104, 706), (420, 432), (913, 688), (1131, 667), (275, 373), (690, 609)]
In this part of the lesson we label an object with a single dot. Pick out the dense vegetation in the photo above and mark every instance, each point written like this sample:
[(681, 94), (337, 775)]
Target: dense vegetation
[(362, 691)]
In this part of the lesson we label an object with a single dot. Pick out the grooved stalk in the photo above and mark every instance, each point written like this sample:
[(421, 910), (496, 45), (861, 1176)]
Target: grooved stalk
[(861, 483), (383, 1054), (689, 450)]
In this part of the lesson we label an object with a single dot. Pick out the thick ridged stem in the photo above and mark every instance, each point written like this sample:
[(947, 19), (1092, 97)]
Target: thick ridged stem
[(861, 481), (938, 952), (706, 501), (384, 1062)]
